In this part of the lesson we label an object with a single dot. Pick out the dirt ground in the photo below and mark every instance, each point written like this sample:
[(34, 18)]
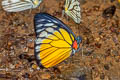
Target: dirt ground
[(98, 59)]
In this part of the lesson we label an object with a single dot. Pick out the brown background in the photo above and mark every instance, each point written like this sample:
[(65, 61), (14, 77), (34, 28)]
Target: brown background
[(99, 58)]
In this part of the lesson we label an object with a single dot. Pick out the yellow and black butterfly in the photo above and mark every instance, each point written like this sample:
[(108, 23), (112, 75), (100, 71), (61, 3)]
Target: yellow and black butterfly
[(54, 40), (72, 9), (19, 5)]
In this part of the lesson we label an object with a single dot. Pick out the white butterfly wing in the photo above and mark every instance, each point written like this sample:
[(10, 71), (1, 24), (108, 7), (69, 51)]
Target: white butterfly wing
[(19, 5), (72, 9)]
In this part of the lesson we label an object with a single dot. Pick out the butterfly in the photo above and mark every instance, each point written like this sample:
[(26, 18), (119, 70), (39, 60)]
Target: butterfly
[(72, 9), (19, 5), (54, 42)]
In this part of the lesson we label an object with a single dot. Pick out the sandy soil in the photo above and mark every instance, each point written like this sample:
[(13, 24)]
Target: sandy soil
[(99, 58)]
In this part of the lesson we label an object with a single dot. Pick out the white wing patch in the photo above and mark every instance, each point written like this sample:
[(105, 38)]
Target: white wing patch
[(43, 34), (54, 26), (72, 9), (39, 30), (38, 41), (50, 29), (49, 24), (40, 25)]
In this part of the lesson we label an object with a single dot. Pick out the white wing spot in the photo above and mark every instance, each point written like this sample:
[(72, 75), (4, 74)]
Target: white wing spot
[(38, 56), (49, 24), (55, 21), (49, 21), (39, 40), (50, 29), (37, 47), (40, 25), (43, 34), (39, 30), (41, 20), (54, 26)]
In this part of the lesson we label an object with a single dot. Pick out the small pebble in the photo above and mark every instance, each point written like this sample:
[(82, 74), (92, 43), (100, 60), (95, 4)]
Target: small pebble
[(95, 61), (106, 66), (26, 75), (9, 43), (97, 39), (102, 76), (12, 66), (45, 76), (82, 77), (31, 45), (34, 66), (98, 45), (75, 79), (23, 56), (119, 37)]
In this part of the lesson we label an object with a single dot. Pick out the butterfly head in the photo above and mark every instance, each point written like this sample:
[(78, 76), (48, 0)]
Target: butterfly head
[(66, 8), (36, 2), (79, 40), (76, 43)]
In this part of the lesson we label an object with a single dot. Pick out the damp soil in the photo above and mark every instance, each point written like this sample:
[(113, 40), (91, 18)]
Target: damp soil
[(98, 59)]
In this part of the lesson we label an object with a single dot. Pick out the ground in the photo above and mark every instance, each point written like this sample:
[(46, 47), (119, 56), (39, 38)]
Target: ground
[(98, 59)]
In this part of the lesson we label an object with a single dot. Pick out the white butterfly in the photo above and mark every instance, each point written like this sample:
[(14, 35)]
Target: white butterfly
[(72, 9), (19, 5)]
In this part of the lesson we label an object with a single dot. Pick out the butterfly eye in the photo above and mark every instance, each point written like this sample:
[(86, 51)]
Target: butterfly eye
[(79, 39)]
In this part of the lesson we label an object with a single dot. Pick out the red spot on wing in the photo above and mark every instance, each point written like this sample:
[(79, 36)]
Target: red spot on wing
[(75, 45)]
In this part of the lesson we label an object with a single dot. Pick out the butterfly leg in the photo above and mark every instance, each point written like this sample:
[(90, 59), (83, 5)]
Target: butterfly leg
[(67, 17), (30, 11), (82, 52), (63, 13)]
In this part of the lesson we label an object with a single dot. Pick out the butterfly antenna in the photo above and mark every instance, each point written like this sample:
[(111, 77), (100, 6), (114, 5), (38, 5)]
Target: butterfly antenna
[(82, 51), (82, 48), (31, 8), (63, 10)]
